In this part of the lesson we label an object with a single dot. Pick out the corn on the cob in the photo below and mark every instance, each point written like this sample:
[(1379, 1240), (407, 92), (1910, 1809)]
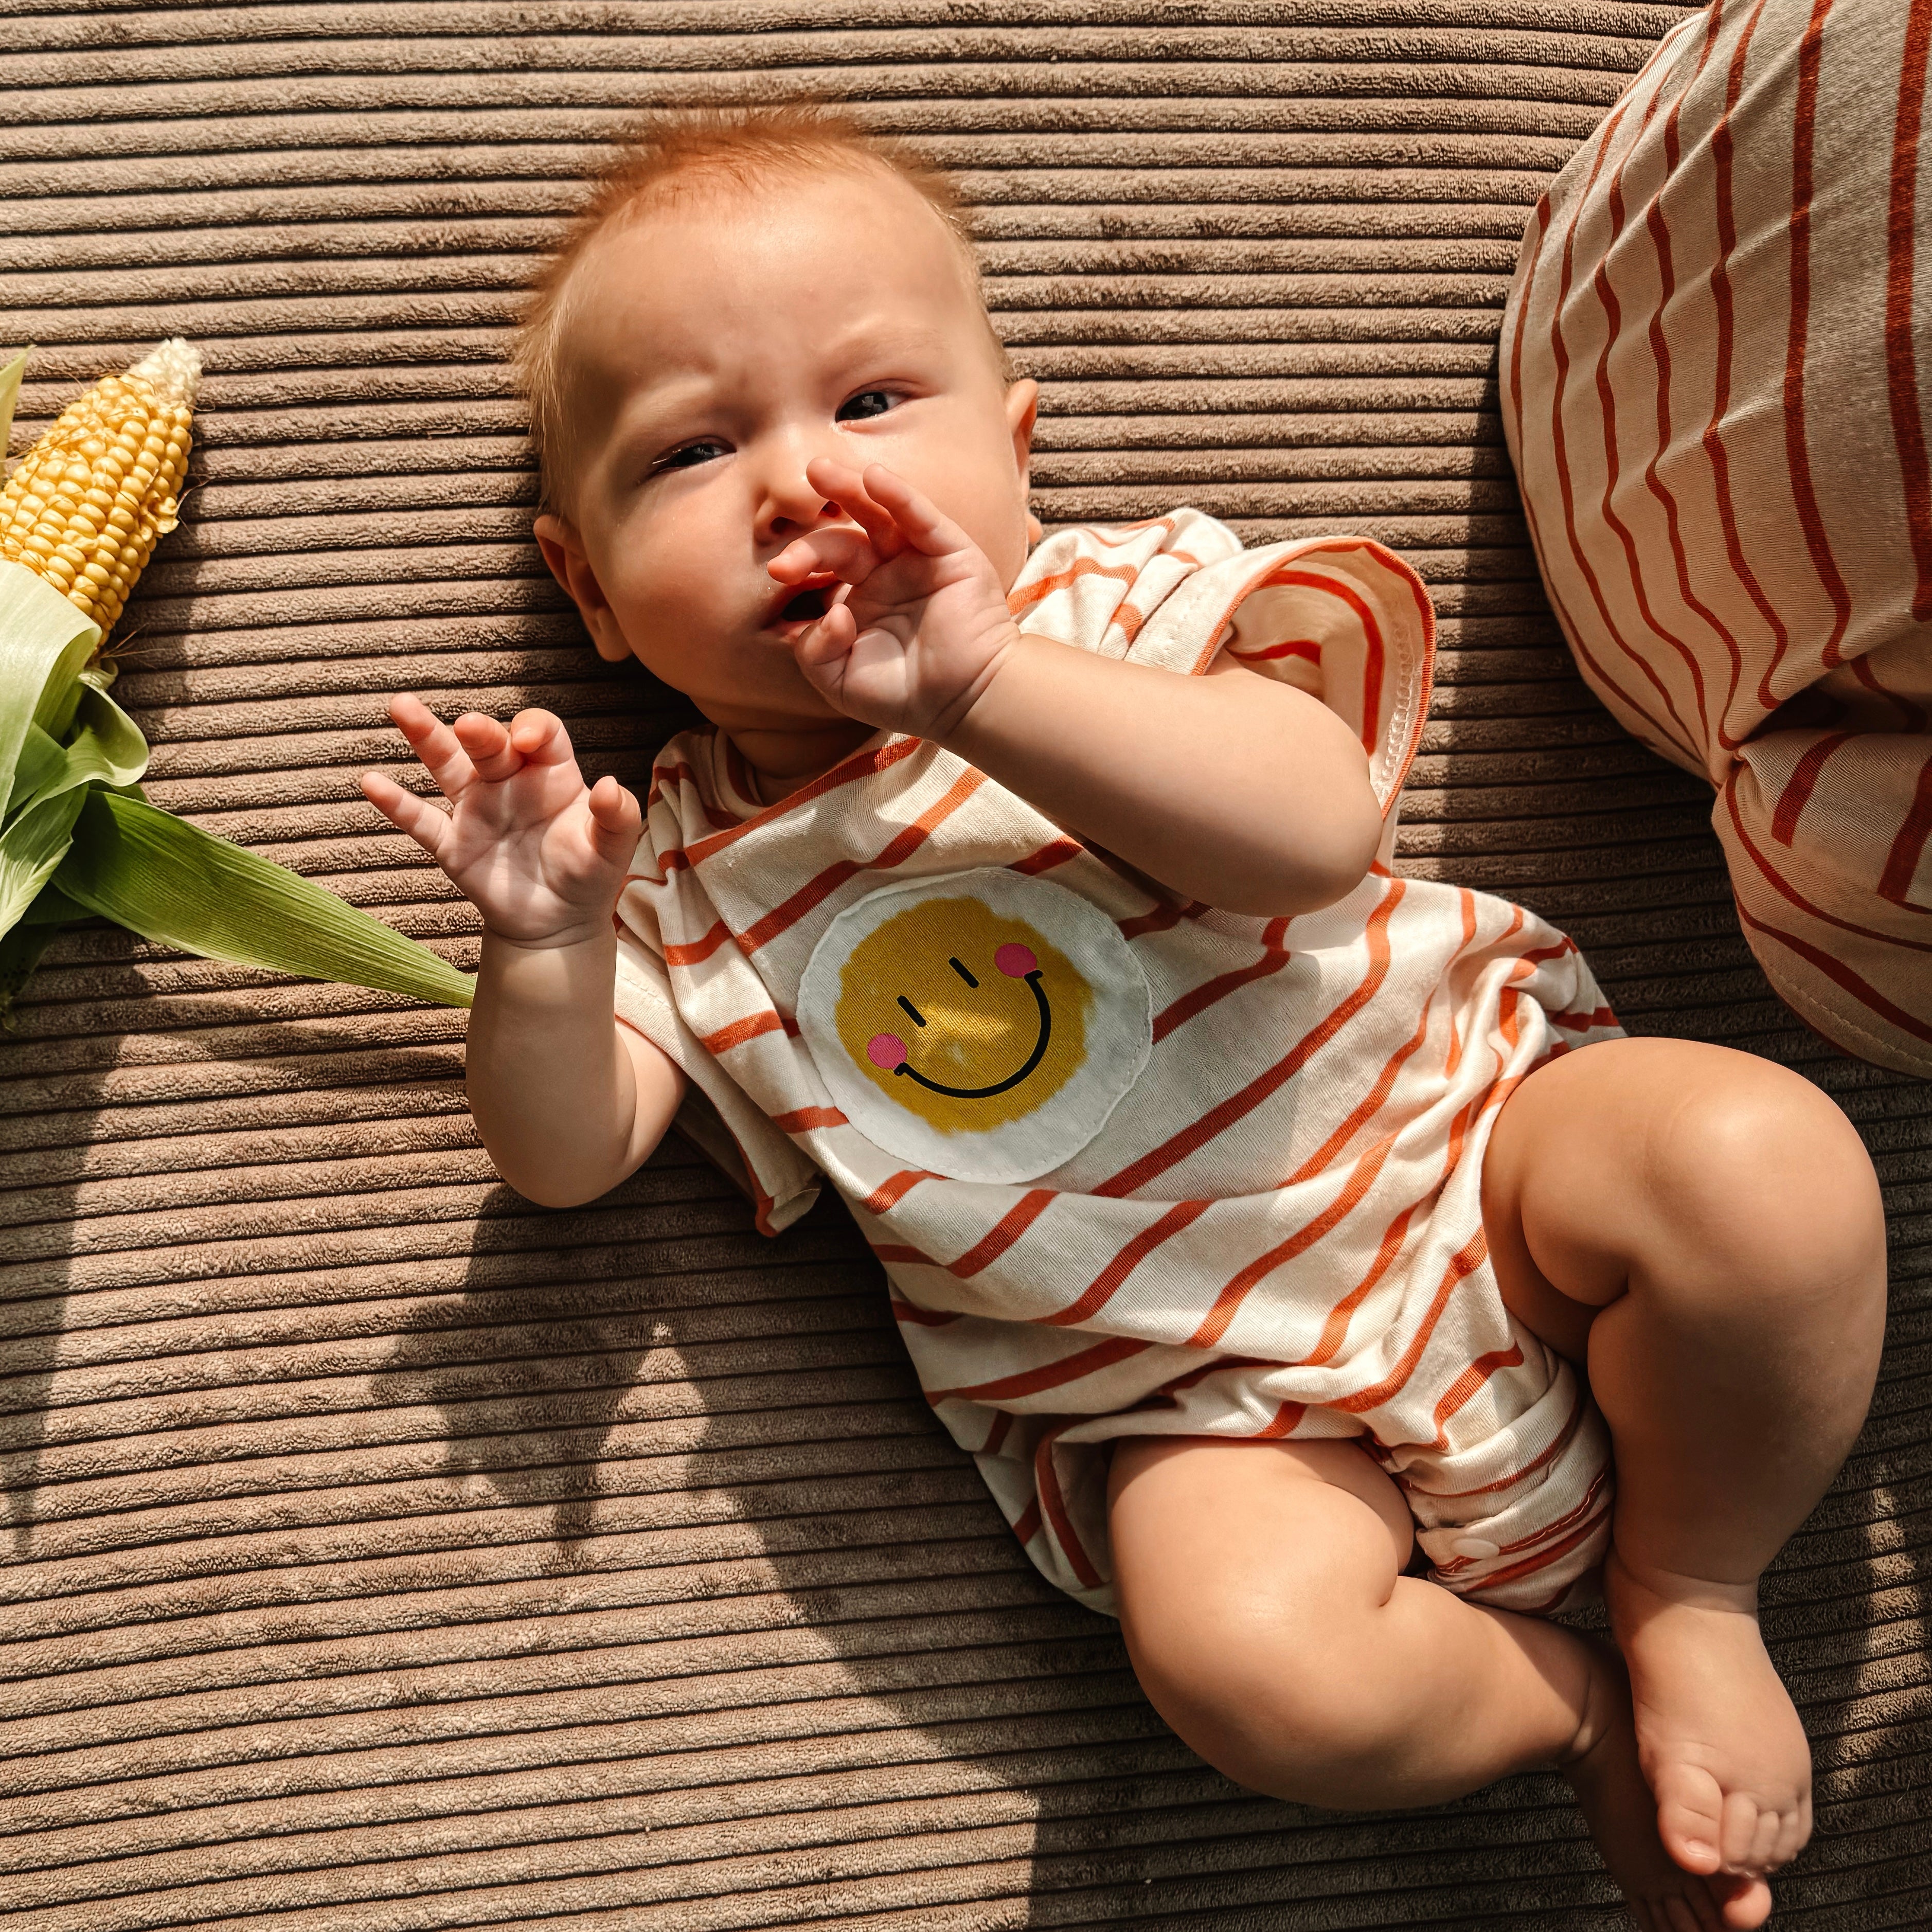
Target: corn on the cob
[(86, 505)]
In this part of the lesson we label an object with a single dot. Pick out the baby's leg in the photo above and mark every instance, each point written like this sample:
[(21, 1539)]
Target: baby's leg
[(1704, 1228), (1263, 1606)]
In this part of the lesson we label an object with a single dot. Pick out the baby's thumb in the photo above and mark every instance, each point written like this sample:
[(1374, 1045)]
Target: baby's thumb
[(822, 652), (617, 822)]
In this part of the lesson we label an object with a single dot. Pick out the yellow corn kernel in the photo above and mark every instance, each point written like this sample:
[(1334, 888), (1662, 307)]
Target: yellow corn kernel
[(84, 507)]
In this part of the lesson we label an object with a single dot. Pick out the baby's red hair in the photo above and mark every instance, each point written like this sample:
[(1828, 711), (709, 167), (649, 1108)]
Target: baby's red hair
[(734, 149)]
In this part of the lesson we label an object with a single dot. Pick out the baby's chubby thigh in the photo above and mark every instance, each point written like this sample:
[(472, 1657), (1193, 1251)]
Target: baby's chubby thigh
[(1263, 1602)]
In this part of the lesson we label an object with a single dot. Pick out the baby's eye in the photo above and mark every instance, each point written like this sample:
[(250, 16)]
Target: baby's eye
[(686, 455), (866, 403)]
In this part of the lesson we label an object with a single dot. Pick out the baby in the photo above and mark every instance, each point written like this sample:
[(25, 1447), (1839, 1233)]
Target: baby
[(1246, 1207)]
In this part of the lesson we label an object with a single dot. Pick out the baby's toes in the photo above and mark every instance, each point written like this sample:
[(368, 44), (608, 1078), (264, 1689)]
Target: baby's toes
[(1749, 1906), (1748, 1835), (1794, 1833), (1690, 1817)]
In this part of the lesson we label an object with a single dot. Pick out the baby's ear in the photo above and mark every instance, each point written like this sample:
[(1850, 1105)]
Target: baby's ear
[(570, 564)]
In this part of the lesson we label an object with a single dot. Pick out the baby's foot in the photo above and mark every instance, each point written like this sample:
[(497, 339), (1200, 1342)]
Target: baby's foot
[(1659, 1894), (1719, 1741)]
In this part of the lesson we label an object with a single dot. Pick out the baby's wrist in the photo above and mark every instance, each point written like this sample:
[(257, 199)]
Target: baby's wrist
[(589, 932), (956, 719)]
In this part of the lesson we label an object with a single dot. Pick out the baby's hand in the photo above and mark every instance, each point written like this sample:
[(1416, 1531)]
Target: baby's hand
[(540, 855), (920, 632)]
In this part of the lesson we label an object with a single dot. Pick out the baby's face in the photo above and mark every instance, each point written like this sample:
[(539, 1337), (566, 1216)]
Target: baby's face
[(718, 347)]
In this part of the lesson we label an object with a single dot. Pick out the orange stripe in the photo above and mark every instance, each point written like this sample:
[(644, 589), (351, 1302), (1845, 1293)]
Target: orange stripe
[(739, 1031), (802, 1119), (1462, 1390), (1368, 1109), (1046, 1480), (1454, 1058), (1797, 454), (1803, 781), (898, 1251), (1009, 1228), (1083, 1362), (1786, 890), (1376, 654), (1100, 1290), (1560, 1442), (902, 846), (1003, 1424), (1901, 864), (1580, 1022), (1023, 597), (1659, 231), (1287, 1421), (696, 950), (1179, 1146), (910, 1312), (1464, 1264), (1056, 853), (1335, 1328), (1027, 1526), (682, 773), (1361, 1179), (1543, 1558), (1168, 914), (889, 1193), (1560, 449), (861, 764), (1275, 956), (1908, 427), (1310, 648), (1867, 995), (1723, 155), (1606, 404)]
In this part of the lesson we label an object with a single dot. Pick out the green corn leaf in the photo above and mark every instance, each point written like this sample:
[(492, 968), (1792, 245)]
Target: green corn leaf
[(34, 842), (10, 392), (105, 743), (42, 761), (53, 907), (44, 643), (20, 953), (171, 883)]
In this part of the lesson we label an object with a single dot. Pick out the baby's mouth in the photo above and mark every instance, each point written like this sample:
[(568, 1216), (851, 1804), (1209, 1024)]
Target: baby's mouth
[(808, 603)]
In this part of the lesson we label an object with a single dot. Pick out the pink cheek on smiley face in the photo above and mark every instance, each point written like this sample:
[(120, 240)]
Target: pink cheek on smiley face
[(886, 1051), (1015, 961)]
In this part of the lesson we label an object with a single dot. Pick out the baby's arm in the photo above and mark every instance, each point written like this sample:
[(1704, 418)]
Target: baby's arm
[(1248, 794), (567, 1099)]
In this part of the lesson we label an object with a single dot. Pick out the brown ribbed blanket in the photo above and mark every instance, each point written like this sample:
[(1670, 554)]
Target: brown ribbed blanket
[(381, 1552)]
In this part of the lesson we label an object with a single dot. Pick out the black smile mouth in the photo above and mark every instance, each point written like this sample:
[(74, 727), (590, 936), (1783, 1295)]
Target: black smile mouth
[(1033, 1060)]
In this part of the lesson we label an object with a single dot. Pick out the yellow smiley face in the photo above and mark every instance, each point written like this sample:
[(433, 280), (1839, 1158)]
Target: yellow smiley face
[(968, 1017)]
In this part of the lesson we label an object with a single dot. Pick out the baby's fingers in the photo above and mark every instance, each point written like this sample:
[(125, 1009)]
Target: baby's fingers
[(432, 741), (421, 821), (847, 487), (617, 822), (538, 738), (491, 754), (919, 523), (838, 551)]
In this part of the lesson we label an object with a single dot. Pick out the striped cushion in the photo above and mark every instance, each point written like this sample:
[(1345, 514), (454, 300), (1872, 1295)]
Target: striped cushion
[(1714, 379)]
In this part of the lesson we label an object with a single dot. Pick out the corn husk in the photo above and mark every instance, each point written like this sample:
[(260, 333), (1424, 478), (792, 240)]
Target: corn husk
[(78, 839)]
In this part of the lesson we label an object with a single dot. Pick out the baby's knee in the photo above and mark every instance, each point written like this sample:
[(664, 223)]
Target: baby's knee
[(1296, 1708), (1255, 1631), (1763, 1174)]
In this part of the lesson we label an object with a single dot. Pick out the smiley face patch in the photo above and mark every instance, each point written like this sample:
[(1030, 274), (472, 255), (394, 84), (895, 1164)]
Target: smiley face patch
[(983, 1025)]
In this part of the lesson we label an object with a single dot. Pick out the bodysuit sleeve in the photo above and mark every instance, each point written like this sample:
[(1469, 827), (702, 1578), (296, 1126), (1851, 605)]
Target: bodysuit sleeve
[(716, 1115), (1340, 617)]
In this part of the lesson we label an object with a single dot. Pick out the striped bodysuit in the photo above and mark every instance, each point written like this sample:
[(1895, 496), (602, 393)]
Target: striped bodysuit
[(1132, 1164)]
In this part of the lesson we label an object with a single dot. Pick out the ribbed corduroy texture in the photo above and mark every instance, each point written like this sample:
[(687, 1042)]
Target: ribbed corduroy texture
[(381, 1552)]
